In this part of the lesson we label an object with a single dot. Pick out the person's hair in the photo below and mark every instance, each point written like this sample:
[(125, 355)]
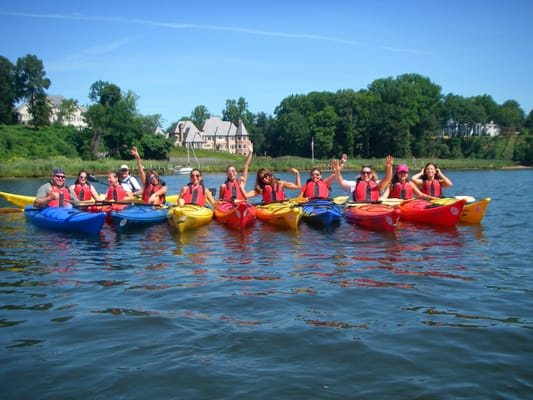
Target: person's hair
[(153, 172), (373, 173), (424, 175), (260, 184), (196, 170), (77, 181)]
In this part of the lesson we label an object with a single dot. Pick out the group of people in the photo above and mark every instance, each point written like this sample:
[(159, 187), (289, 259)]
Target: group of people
[(426, 184)]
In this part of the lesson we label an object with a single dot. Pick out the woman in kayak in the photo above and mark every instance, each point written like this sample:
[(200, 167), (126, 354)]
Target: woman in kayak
[(271, 188), (195, 192), (83, 189), (401, 187), (115, 191), (154, 188), (55, 193), (431, 180), (316, 187), (366, 188), (233, 188)]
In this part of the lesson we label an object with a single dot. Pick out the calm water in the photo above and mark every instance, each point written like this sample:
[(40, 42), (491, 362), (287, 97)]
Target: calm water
[(213, 313)]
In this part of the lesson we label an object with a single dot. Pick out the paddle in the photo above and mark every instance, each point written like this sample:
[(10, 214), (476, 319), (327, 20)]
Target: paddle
[(92, 178), (122, 202), (7, 210)]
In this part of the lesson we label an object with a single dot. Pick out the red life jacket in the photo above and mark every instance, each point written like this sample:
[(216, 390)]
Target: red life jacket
[(64, 197), (317, 189), (232, 192), (150, 190), (401, 190), (83, 192), (273, 193), (195, 195), (115, 192), (366, 191), (432, 188)]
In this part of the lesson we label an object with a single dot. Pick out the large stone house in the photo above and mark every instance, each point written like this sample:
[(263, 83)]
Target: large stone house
[(74, 119), (215, 134)]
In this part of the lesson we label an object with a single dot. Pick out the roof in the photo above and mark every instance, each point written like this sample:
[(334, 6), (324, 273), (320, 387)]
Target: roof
[(215, 126)]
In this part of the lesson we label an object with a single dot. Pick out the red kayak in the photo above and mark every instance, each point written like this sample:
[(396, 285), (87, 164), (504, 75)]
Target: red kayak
[(427, 212), (378, 217), (235, 215)]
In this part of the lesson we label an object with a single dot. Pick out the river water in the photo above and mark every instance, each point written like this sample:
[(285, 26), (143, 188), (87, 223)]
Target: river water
[(214, 313)]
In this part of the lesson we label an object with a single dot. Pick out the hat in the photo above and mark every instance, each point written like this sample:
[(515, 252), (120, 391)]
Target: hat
[(124, 166), (59, 171), (402, 168)]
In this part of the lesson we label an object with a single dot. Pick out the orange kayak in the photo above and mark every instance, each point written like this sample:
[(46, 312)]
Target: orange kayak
[(378, 217), (239, 215), (428, 212)]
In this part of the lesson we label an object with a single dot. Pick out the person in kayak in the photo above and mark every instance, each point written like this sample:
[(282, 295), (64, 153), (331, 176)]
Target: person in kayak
[(55, 193), (154, 188), (367, 188), (233, 188), (128, 182), (115, 191), (316, 187), (195, 192), (271, 188), (401, 187), (430, 180), (83, 189)]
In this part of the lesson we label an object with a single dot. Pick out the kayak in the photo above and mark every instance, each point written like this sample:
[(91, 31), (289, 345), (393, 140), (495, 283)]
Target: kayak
[(321, 212), (284, 214), (133, 216), (66, 219), (238, 215), (18, 199), (473, 210), (378, 217), (428, 212), (189, 216)]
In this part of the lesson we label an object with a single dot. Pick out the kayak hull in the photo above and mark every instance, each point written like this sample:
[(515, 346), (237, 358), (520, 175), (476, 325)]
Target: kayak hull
[(379, 217), (189, 216), (285, 214), (135, 216), (235, 215), (18, 199), (473, 210), (66, 219), (322, 213), (428, 212)]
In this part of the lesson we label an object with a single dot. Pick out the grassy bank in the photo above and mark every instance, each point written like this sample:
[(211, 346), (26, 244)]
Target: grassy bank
[(217, 162)]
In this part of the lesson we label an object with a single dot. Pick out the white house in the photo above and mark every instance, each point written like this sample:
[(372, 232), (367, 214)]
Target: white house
[(74, 119)]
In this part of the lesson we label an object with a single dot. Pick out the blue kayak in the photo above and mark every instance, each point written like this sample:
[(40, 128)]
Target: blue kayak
[(321, 212), (66, 219), (138, 215)]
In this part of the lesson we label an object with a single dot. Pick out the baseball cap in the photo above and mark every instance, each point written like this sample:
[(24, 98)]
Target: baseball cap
[(402, 168), (124, 166), (59, 171)]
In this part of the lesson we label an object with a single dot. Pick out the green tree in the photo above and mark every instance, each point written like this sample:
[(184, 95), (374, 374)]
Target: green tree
[(31, 84), (66, 112), (8, 92), (511, 116), (238, 110), (199, 115)]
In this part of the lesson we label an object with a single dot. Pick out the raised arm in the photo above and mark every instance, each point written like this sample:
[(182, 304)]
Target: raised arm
[(444, 181), (389, 160), (137, 157), (297, 184), (417, 178), (247, 162)]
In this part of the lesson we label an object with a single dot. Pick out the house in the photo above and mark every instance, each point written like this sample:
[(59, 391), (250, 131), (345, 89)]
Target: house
[(215, 134), (75, 118)]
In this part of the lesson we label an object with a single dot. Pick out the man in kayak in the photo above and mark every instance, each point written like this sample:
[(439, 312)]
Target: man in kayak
[(128, 182), (55, 193)]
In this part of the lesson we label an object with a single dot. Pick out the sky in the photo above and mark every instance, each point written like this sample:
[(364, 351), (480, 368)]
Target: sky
[(177, 55)]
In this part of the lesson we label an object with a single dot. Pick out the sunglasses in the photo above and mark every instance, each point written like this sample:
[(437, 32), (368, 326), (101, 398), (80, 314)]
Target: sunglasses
[(366, 172), (315, 174), (197, 175), (60, 176)]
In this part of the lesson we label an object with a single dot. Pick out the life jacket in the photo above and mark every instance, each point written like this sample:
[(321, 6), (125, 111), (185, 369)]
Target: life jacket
[(64, 197), (366, 191), (150, 190), (273, 193), (432, 188), (115, 192), (401, 190), (83, 191), (195, 195), (232, 191), (317, 189)]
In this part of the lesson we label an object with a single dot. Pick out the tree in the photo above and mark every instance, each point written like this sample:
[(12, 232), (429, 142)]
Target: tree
[(8, 93), (199, 115), (511, 116), (67, 108), (31, 83), (238, 110)]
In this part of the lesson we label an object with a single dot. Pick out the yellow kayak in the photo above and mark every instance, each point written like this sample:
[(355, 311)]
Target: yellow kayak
[(473, 210), (18, 199), (189, 216), (284, 214)]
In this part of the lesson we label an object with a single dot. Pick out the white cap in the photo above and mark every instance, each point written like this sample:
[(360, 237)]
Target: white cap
[(124, 166)]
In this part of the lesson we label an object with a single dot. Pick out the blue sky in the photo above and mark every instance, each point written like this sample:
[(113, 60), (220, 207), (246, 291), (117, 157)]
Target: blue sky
[(176, 55)]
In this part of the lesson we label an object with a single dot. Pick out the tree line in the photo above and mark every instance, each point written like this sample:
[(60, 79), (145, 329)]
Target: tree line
[(404, 116)]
